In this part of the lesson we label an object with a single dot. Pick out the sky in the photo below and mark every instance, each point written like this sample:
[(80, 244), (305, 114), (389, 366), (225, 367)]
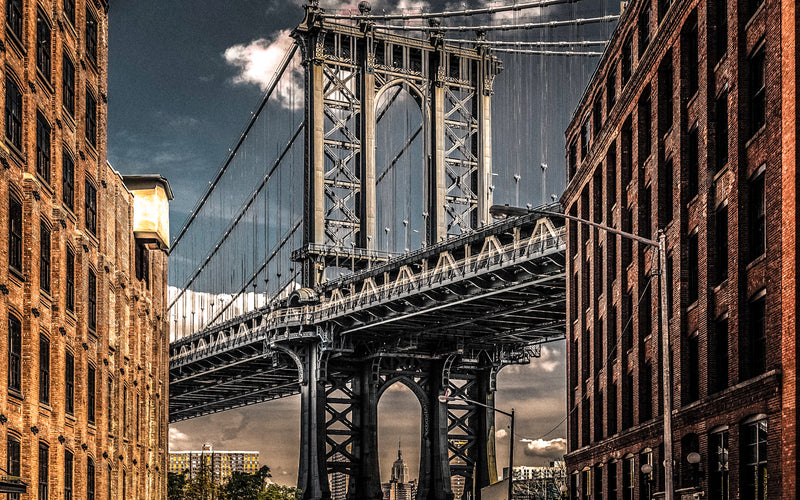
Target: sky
[(184, 77)]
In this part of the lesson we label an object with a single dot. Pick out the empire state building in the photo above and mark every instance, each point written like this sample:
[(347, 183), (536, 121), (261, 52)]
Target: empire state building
[(397, 488)]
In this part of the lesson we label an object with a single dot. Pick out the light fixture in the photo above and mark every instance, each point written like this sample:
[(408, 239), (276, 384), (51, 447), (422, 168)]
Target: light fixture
[(647, 469), (693, 458)]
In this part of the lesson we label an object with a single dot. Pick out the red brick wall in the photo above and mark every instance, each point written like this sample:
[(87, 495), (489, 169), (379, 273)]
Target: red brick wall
[(129, 345), (771, 393)]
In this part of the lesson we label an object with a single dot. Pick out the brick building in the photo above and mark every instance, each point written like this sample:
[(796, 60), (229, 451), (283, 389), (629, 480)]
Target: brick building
[(688, 125), (83, 390)]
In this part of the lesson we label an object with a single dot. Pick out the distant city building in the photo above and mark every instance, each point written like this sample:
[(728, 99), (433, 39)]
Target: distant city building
[(398, 488), (338, 480), (688, 126), (219, 464)]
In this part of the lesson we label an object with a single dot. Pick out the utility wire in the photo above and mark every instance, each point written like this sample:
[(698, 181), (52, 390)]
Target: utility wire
[(500, 27), (549, 52), (493, 43), (454, 13)]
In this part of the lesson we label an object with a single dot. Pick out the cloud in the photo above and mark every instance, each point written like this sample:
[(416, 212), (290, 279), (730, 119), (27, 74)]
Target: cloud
[(501, 433), (541, 448), (257, 63), (176, 436)]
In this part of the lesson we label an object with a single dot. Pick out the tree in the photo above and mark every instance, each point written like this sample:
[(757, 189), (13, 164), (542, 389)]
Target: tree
[(243, 486), (176, 484), (277, 492), (201, 487)]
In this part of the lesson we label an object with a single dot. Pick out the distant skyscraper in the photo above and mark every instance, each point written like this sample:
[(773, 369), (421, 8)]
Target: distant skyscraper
[(338, 480), (397, 488), (221, 464)]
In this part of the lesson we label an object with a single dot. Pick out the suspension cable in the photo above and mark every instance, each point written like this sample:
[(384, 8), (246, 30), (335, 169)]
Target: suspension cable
[(500, 27), (454, 13), (276, 77)]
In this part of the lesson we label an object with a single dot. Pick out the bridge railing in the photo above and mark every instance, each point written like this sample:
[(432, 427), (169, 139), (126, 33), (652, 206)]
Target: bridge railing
[(492, 258)]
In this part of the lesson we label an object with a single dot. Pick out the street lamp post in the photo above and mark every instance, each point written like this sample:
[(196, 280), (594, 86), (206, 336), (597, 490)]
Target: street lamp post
[(504, 211), (444, 398)]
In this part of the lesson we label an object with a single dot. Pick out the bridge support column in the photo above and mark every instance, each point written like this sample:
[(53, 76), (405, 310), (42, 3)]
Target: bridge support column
[(366, 483), (313, 475), (434, 480), (484, 425)]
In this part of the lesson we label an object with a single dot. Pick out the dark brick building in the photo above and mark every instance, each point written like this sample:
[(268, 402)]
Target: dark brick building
[(83, 359), (687, 126)]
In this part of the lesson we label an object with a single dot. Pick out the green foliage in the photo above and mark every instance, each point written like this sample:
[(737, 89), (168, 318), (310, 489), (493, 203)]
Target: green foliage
[(240, 486), (176, 484)]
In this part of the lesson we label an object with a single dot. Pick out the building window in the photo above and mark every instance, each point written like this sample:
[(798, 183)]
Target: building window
[(69, 384), (626, 61), (110, 404), (90, 216), (755, 363), (586, 484), (644, 29), (90, 478), (90, 394), (585, 135), (14, 17), (666, 191), (694, 282), (13, 461), (13, 113), (670, 273), (721, 30), (91, 118), (753, 479), (693, 56), (646, 478), (142, 262), (693, 368), (718, 480), (663, 7), (689, 472), (69, 464), (125, 411), (612, 480), (91, 301), (598, 416), (628, 477), (665, 95), (42, 147), (573, 160), (14, 354), (70, 295), (756, 214), (43, 39), (91, 36), (626, 143), (68, 180), (44, 258), (645, 127), (753, 6), (646, 394), (44, 470), (68, 85), (693, 184), (718, 371), (44, 369), (627, 401), (110, 482), (611, 91), (721, 239), (757, 92), (69, 11), (15, 234), (721, 116)]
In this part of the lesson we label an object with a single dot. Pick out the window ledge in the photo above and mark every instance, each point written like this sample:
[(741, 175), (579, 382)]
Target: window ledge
[(68, 117), (756, 135), (719, 173), (44, 184), (16, 273), (752, 19), (45, 296), (45, 406), (692, 306), (15, 151), (44, 81), (16, 394), (17, 43), (720, 286), (70, 417), (693, 98), (753, 263), (723, 58)]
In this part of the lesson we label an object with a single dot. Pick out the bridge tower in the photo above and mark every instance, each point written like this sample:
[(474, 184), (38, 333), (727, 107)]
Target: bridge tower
[(347, 68)]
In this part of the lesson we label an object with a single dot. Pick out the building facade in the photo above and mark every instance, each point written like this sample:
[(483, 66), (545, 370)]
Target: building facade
[(687, 126), (399, 486), (219, 464), (83, 391)]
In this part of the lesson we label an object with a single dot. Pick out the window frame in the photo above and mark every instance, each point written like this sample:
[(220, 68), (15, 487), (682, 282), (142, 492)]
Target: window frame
[(68, 181), (719, 464), (14, 19), (45, 257), (757, 97), (69, 383), (44, 46), (69, 298), (43, 479), (44, 142), (757, 214), (91, 301), (14, 111), (757, 462), (90, 112), (91, 36), (91, 396), (69, 474), (68, 96), (14, 355), (15, 233), (13, 459), (44, 369), (70, 11), (90, 207)]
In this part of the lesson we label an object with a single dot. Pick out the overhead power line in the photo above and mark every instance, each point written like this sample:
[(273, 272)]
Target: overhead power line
[(550, 52), (499, 43), (500, 27), (453, 13)]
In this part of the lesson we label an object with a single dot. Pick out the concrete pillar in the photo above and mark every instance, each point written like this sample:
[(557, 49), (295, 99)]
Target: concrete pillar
[(484, 428), (437, 222), (367, 482), (484, 153), (434, 476), (367, 165)]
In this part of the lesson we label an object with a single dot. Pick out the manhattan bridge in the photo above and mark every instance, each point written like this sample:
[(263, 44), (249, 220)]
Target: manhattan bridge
[(346, 244)]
